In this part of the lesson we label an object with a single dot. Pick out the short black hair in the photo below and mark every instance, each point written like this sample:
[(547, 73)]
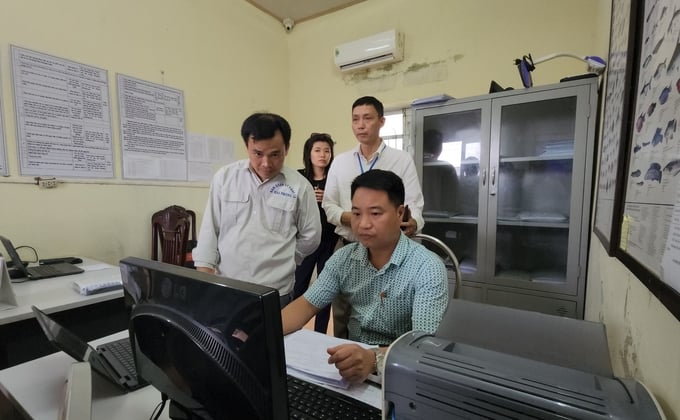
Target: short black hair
[(379, 180), (263, 125), (432, 142), (370, 100)]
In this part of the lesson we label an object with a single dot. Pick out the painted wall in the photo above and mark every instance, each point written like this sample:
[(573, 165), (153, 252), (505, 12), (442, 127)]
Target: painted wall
[(454, 47), (458, 47), (643, 336), (229, 58)]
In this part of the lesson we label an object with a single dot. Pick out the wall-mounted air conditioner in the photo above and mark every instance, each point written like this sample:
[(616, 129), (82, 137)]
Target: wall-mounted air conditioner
[(383, 48)]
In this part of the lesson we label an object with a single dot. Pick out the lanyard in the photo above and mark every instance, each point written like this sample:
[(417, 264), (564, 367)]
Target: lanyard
[(361, 166)]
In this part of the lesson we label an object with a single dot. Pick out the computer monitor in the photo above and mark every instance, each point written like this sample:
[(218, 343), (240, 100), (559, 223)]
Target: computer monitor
[(212, 345)]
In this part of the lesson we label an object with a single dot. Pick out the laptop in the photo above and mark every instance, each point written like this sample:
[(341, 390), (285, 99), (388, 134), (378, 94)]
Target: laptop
[(114, 360), (41, 271)]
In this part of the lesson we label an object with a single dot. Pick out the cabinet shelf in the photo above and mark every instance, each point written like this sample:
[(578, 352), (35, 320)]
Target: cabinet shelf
[(536, 158), (540, 224), (515, 210), (453, 219)]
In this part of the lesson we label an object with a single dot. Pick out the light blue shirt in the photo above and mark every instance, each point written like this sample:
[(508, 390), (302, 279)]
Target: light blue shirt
[(409, 293)]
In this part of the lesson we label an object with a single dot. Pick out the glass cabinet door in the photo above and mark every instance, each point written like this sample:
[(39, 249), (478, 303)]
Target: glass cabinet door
[(534, 149), (452, 144)]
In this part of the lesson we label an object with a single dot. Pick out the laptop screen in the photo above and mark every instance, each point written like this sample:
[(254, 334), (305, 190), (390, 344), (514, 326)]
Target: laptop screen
[(13, 255), (62, 338)]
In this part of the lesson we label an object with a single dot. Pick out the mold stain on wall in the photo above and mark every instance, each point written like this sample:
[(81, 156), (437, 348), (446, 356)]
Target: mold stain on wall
[(628, 350), (414, 74)]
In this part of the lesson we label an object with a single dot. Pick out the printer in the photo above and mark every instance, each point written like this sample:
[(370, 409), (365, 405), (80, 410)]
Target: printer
[(492, 362)]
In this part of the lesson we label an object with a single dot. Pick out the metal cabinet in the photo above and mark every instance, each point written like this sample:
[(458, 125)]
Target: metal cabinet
[(507, 184)]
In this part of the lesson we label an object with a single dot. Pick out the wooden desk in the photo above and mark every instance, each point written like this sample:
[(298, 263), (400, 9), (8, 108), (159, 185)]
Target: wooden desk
[(90, 317)]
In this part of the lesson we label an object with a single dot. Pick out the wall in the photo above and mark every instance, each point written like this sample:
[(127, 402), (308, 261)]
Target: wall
[(458, 47), (453, 47), (195, 46), (231, 59), (643, 336)]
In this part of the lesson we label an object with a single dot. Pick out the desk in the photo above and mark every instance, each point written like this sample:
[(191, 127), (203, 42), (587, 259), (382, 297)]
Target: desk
[(89, 316), (37, 387)]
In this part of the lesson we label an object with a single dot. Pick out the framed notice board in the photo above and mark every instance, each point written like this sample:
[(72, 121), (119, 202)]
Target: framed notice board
[(649, 217), (615, 125)]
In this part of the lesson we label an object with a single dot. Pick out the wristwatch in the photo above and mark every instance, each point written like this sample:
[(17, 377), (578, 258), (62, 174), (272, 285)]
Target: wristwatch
[(379, 365)]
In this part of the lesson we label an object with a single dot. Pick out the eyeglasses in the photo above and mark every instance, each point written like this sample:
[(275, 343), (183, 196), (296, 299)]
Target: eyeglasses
[(525, 65)]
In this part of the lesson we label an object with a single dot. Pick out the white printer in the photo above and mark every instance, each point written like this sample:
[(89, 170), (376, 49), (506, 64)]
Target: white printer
[(492, 362)]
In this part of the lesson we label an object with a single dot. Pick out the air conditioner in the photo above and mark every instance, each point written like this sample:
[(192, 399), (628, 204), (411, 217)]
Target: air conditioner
[(383, 48)]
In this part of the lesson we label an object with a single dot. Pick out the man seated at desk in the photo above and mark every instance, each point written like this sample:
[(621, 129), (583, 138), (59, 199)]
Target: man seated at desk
[(394, 284)]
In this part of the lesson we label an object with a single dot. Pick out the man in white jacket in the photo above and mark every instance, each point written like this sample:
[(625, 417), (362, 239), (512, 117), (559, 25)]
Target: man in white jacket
[(261, 218)]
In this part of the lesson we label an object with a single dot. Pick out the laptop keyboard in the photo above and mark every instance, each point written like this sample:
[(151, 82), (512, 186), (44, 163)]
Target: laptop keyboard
[(44, 270), (54, 270), (308, 401), (123, 352)]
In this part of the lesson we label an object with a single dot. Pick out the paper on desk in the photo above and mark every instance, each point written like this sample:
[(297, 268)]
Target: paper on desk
[(306, 353), (99, 282), (97, 266)]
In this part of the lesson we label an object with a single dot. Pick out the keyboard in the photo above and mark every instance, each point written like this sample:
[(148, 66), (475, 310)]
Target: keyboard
[(308, 401), (121, 351), (52, 270)]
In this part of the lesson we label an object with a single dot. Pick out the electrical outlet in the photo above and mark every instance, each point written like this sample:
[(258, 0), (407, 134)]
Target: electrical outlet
[(47, 183)]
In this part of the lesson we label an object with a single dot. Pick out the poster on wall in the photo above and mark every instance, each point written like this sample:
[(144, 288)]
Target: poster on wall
[(614, 126), (653, 172), (63, 116), (4, 171), (152, 130)]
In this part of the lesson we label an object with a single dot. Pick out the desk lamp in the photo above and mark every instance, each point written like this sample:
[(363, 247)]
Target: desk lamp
[(526, 65)]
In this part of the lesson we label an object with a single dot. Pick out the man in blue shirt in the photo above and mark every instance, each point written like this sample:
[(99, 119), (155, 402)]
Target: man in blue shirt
[(394, 284)]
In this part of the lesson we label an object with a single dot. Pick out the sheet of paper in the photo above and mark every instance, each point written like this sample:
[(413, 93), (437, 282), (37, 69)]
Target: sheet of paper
[(306, 353), (98, 266), (4, 171), (670, 263), (153, 136), (63, 116)]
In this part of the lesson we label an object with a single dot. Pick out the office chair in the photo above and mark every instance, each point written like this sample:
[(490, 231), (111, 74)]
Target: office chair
[(449, 257), (170, 228)]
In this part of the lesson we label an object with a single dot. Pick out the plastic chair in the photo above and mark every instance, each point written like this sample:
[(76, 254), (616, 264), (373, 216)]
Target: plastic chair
[(449, 260), (170, 230)]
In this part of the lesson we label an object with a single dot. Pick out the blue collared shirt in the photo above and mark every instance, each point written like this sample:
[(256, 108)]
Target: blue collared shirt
[(409, 293)]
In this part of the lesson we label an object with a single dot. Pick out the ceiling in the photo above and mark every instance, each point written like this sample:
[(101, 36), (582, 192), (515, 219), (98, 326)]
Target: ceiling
[(300, 10)]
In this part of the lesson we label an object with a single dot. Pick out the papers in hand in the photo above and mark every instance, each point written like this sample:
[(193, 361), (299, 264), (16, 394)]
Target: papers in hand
[(306, 353)]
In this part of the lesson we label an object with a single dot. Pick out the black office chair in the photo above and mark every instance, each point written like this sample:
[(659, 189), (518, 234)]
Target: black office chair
[(170, 230)]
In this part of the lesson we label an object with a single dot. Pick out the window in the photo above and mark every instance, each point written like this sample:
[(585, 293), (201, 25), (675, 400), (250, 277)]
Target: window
[(392, 132)]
